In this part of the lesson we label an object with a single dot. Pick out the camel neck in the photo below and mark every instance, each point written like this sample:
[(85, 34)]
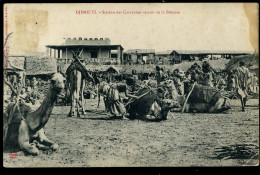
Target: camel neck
[(39, 118)]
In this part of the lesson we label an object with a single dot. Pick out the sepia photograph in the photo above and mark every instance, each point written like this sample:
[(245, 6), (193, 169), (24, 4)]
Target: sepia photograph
[(130, 85)]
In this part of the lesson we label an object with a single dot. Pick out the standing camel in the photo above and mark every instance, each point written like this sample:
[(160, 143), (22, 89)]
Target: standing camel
[(22, 130), (76, 79)]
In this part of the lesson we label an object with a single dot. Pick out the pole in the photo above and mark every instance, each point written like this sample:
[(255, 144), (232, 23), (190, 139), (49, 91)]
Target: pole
[(66, 56), (186, 100)]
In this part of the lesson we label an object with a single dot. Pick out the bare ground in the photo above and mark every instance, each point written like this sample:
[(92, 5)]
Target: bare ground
[(182, 140)]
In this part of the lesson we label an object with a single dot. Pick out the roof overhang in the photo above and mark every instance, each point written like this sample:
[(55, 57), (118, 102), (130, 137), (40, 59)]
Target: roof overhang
[(110, 47)]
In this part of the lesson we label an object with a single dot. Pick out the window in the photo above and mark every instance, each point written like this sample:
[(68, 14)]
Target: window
[(113, 55), (93, 54)]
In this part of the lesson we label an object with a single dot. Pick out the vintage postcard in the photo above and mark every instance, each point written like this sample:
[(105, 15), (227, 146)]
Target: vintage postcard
[(131, 85)]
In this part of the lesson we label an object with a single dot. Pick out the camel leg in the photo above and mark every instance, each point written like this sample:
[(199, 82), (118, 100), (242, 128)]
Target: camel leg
[(77, 107), (23, 139), (106, 105), (98, 100), (83, 107), (82, 98), (242, 103), (45, 141), (73, 104)]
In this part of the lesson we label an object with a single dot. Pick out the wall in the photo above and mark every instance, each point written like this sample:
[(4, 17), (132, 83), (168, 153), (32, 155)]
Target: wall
[(88, 41)]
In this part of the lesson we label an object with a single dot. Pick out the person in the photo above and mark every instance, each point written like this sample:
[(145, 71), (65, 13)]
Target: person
[(117, 95), (221, 83), (242, 77), (207, 75), (34, 83), (27, 82), (255, 83), (163, 75), (158, 74), (179, 82), (232, 83)]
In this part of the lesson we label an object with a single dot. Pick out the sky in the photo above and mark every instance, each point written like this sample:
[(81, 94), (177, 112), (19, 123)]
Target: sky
[(222, 26)]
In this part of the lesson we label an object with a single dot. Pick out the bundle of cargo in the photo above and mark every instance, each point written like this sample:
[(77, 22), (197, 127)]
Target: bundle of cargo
[(206, 99)]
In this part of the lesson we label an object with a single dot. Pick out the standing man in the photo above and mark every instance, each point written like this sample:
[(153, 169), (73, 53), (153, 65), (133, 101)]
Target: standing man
[(178, 82), (242, 77), (158, 74), (255, 84)]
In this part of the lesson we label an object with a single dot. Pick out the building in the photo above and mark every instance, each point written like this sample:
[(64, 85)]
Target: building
[(164, 57), (138, 56), (177, 56), (94, 51), (189, 55)]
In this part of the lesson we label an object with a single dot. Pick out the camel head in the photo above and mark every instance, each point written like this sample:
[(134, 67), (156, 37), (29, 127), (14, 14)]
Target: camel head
[(168, 104), (58, 82)]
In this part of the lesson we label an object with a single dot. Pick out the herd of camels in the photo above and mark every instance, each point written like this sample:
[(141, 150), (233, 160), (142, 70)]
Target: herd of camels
[(24, 128)]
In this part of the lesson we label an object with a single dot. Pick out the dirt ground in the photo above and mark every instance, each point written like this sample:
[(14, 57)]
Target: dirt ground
[(182, 140)]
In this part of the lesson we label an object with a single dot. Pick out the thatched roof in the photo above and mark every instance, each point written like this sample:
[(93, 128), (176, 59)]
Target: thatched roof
[(250, 61), (40, 65), (113, 69), (217, 65), (97, 68), (14, 63)]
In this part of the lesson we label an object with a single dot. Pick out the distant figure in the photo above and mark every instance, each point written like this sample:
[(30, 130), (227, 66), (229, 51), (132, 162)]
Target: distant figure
[(158, 74), (27, 82), (242, 77), (178, 81), (34, 83), (231, 83), (221, 83)]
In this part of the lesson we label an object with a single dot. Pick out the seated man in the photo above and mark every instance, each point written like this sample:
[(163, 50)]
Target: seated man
[(115, 102)]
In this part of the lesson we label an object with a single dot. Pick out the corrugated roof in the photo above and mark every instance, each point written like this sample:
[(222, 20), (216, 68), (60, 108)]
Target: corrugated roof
[(212, 52), (168, 52), (140, 51)]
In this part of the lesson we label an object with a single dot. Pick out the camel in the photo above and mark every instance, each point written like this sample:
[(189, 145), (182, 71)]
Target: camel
[(213, 102), (24, 130), (150, 105), (76, 76)]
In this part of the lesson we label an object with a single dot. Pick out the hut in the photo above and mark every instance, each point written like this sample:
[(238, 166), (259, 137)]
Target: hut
[(251, 62), (41, 67), (14, 67), (113, 69)]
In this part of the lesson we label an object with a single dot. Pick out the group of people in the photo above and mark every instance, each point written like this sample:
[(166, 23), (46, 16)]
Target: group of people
[(30, 90), (239, 81)]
